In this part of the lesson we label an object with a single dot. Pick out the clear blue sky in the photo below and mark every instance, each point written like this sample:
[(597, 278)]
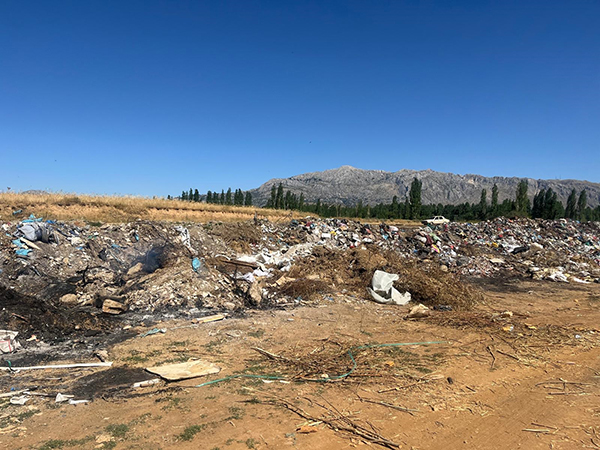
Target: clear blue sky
[(152, 97)]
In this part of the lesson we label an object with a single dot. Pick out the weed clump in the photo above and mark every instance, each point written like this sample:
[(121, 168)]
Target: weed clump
[(189, 433)]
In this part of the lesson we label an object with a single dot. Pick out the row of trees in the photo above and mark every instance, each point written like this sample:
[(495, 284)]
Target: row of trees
[(238, 197), (278, 200), (545, 205)]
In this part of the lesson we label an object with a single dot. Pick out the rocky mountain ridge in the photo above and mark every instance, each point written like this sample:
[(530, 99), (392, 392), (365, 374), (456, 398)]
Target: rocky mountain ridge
[(348, 185)]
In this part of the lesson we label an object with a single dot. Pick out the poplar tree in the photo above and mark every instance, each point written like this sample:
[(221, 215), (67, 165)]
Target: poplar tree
[(279, 201), (571, 209), (272, 200), (495, 199), (521, 200), (581, 205), (415, 198), (483, 205)]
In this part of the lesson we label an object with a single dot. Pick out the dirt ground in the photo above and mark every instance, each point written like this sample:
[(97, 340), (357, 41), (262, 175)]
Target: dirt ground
[(495, 380)]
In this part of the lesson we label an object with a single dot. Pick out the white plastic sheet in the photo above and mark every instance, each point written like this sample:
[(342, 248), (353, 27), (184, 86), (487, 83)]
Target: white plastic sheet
[(383, 290)]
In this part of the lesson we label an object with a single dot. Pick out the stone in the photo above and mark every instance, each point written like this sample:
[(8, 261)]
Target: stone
[(69, 299)]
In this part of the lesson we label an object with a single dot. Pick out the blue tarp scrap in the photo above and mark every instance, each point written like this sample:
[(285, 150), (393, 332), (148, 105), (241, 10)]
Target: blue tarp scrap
[(18, 243), (22, 251), (196, 264), (32, 219), (18, 211)]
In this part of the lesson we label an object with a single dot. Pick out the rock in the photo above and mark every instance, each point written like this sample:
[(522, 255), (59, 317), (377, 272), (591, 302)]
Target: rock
[(113, 307), (134, 270), (418, 312), (69, 299), (229, 306), (103, 438)]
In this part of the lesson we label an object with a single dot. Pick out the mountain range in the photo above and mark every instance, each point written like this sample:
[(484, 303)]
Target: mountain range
[(348, 185)]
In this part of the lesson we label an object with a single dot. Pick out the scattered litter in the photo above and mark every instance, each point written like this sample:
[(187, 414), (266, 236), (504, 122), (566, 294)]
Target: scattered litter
[(196, 264), (21, 400), (8, 341), (153, 331), (207, 319), (60, 398), (58, 366), (146, 383), (183, 371), (418, 312)]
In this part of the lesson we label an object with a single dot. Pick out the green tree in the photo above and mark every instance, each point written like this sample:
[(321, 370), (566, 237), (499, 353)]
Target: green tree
[(571, 209), (222, 199), (228, 200), (190, 195), (209, 197), (415, 199), (395, 208), (581, 205), (522, 201), (273, 200), (537, 210), (248, 199), (196, 195), (483, 205), (495, 199), (279, 200), (301, 202)]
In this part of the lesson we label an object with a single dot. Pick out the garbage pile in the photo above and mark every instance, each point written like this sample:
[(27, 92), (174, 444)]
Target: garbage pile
[(97, 271), (557, 250)]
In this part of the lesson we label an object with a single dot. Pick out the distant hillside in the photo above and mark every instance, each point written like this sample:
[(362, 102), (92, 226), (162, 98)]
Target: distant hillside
[(347, 185)]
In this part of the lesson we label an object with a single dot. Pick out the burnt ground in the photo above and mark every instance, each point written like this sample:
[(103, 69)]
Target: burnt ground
[(528, 379)]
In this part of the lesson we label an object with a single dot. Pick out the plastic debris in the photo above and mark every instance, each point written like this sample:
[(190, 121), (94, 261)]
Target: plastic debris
[(8, 341), (383, 290), (183, 371)]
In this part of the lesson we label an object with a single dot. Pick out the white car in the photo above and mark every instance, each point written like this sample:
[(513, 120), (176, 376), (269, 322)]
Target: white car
[(437, 220)]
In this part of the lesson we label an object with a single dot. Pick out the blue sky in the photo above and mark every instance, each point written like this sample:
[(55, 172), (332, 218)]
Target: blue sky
[(152, 97)]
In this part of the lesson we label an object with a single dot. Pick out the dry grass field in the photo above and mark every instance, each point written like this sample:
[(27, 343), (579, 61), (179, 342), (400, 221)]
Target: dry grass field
[(119, 209), (114, 209)]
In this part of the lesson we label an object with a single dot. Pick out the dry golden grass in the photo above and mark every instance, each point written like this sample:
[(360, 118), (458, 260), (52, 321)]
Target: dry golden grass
[(113, 209)]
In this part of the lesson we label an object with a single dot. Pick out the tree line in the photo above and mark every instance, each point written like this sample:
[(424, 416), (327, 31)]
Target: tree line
[(545, 206), (237, 198)]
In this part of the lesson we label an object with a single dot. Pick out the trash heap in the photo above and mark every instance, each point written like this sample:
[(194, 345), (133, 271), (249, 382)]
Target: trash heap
[(106, 270), (557, 250)]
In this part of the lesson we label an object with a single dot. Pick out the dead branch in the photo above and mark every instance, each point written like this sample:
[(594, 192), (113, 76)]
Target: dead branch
[(389, 405), (337, 424)]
